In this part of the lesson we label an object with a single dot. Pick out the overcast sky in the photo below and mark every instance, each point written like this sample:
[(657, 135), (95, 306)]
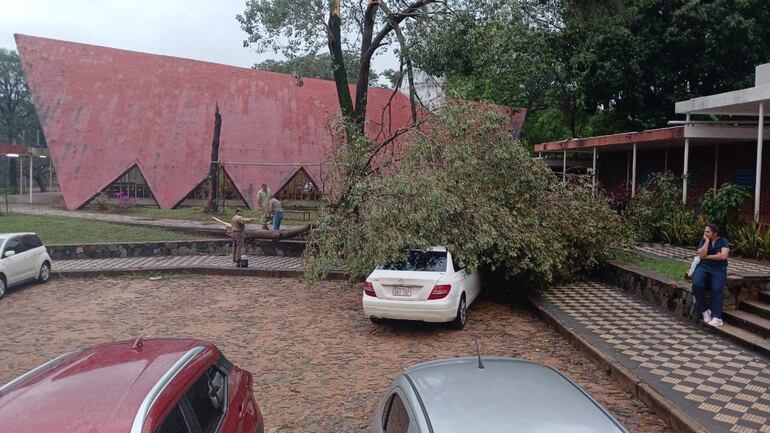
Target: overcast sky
[(195, 29)]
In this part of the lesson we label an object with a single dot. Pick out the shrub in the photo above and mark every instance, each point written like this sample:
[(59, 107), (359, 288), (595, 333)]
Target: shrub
[(102, 202), (124, 201), (724, 207), (683, 228), (749, 241), (656, 205)]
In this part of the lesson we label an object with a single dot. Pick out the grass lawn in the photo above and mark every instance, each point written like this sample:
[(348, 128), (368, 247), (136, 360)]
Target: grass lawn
[(671, 268), (195, 213), (56, 230)]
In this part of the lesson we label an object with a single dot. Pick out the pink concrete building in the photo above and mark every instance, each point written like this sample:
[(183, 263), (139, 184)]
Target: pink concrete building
[(107, 113)]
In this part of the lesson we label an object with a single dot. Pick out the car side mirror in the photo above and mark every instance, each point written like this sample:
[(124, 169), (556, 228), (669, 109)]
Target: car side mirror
[(9, 253)]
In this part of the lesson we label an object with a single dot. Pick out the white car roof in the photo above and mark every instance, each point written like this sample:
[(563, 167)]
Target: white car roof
[(8, 235)]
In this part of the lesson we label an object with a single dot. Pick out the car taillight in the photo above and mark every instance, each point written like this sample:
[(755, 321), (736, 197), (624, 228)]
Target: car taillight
[(440, 291), (369, 289)]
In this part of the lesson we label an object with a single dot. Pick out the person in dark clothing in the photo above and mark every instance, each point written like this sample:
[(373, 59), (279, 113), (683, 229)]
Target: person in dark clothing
[(711, 271)]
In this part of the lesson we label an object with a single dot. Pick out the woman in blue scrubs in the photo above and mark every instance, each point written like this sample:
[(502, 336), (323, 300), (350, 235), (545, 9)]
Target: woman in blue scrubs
[(713, 250)]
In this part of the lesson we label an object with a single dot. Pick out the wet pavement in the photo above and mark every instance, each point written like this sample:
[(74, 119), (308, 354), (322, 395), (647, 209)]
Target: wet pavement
[(319, 364)]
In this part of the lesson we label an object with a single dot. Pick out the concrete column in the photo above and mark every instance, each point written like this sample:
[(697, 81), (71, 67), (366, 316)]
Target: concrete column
[(21, 177), (31, 159), (716, 169), (686, 162), (564, 168), (628, 169), (633, 173), (758, 181), (593, 176)]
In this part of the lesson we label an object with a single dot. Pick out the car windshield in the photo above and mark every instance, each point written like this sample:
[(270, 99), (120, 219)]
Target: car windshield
[(425, 261)]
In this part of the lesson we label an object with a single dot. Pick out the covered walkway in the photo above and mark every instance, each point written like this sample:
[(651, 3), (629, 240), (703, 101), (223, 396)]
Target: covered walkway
[(704, 153)]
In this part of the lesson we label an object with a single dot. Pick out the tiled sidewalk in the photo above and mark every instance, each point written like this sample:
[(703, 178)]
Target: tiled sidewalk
[(736, 266), (175, 262), (720, 385)]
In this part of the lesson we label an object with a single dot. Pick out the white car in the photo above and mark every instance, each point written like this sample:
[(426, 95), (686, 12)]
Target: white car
[(22, 258), (427, 286)]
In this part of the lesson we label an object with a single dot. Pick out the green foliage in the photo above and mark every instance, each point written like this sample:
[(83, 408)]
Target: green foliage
[(724, 207), (18, 120), (315, 66), (656, 207), (605, 66), (750, 242), (102, 202), (461, 182), (683, 228)]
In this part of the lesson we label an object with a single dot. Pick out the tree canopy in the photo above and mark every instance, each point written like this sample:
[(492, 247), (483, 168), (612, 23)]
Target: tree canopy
[(301, 27), (592, 67), (316, 66), (18, 120)]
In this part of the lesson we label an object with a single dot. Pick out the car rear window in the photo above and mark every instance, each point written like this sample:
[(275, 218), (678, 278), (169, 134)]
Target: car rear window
[(424, 261)]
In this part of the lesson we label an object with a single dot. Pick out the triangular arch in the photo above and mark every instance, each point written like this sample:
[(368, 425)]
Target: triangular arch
[(299, 186)]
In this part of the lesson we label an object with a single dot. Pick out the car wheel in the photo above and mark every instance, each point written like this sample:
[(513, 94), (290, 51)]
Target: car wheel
[(45, 273), (462, 314), (2, 286)]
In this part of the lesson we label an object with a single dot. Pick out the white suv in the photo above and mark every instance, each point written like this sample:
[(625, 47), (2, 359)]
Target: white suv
[(22, 258)]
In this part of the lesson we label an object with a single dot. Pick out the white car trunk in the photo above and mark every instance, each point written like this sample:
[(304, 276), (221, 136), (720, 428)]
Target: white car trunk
[(404, 285)]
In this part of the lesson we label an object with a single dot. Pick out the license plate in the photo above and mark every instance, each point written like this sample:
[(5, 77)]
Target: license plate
[(402, 291)]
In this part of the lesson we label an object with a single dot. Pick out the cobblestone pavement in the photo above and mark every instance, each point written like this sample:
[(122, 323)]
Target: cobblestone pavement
[(174, 224), (174, 262), (319, 364), (724, 387), (736, 266)]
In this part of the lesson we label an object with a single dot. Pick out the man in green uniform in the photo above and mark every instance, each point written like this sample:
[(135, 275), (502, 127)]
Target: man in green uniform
[(238, 230)]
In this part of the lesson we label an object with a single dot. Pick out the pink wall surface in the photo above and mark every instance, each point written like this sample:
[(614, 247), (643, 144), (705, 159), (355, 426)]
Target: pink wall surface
[(104, 110)]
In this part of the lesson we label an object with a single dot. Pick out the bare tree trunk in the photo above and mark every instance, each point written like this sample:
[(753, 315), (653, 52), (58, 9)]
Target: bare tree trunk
[(213, 206), (334, 38)]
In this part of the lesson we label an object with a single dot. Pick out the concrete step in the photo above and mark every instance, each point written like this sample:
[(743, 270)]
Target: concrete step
[(744, 338), (748, 321), (764, 296), (759, 308)]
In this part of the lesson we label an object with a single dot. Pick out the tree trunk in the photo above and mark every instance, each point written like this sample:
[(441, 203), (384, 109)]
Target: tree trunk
[(213, 205), (334, 38)]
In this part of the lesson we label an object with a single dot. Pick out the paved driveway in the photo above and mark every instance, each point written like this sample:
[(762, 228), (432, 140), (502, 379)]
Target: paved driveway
[(319, 365)]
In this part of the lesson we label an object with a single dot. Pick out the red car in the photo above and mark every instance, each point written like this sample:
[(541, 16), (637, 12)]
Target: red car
[(145, 386)]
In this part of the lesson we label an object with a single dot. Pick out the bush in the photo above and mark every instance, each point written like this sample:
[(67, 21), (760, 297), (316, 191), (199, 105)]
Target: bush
[(124, 202), (724, 208), (750, 242), (683, 228), (102, 202), (657, 205)]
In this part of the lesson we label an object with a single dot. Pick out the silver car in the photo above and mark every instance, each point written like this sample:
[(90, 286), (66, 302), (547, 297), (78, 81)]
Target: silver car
[(488, 395)]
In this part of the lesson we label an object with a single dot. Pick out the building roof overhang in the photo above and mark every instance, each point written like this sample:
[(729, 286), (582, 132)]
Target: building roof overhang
[(744, 102)]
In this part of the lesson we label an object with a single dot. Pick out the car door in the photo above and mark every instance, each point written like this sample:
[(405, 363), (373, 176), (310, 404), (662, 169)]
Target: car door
[(14, 265), (32, 248)]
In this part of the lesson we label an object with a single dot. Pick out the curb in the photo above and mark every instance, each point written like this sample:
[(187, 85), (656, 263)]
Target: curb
[(673, 416), (201, 270)]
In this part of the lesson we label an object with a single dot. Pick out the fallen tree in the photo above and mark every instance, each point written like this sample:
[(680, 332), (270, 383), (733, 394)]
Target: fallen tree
[(461, 181)]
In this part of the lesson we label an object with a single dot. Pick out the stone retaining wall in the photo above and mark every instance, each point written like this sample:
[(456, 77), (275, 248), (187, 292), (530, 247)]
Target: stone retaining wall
[(256, 247), (675, 296)]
